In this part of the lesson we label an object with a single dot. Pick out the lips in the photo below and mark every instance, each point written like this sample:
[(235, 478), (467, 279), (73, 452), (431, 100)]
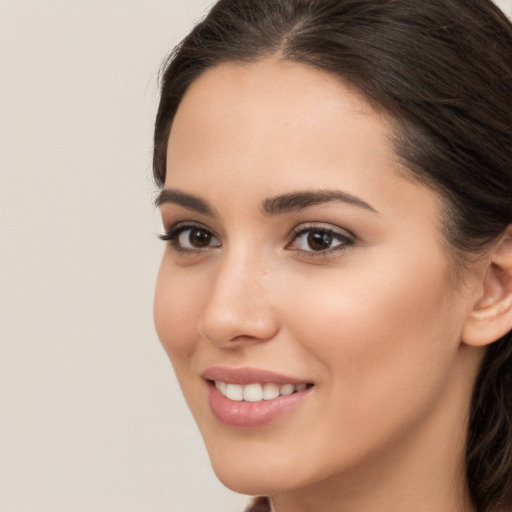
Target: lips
[(247, 397)]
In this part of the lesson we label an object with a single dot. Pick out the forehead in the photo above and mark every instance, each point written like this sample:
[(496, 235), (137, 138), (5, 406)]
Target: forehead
[(274, 114), (274, 83)]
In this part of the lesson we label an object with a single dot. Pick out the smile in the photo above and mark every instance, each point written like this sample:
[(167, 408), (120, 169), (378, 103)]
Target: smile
[(250, 397), (257, 392)]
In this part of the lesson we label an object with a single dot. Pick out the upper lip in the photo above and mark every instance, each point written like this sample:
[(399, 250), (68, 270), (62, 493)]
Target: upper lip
[(248, 375)]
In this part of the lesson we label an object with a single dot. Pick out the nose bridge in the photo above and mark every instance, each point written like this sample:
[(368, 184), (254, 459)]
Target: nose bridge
[(239, 306)]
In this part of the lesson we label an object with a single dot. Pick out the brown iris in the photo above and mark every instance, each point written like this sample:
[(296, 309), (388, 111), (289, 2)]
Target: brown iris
[(199, 238), (319, 241)]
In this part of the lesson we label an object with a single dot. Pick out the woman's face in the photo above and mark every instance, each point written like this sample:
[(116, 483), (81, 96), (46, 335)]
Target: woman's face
[(301, 260)]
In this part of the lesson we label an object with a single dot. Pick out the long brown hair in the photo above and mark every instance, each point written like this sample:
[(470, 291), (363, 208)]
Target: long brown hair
[(443, 70)]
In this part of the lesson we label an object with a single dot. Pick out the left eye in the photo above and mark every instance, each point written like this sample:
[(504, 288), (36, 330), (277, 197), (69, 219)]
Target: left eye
[(318, 240)]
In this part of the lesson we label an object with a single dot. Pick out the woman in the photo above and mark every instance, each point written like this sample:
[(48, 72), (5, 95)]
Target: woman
[(336, 291)]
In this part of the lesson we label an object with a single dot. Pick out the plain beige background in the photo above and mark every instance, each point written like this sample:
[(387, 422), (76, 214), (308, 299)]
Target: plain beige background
[(91, 418)]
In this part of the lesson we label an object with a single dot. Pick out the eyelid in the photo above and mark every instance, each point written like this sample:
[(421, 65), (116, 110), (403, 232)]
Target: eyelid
[(347, 238), (171, 235), (323, 226)]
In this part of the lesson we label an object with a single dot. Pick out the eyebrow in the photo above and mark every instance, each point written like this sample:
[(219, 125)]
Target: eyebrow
[(278, 205), (189, 201), (299, 200)]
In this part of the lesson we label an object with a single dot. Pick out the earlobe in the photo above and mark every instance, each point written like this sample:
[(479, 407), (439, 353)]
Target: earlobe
[(491, 316)]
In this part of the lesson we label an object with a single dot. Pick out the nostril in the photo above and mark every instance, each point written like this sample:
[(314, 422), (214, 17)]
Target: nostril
[(231, 327)]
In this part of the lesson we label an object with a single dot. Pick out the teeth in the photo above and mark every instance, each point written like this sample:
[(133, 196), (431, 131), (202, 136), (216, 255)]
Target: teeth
[(253, 393), (270, 391), (257, 392), (221, 386), (286, 389), (235, 392)]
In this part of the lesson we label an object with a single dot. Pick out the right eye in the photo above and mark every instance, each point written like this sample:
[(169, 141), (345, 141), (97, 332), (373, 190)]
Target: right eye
[(191, 238)]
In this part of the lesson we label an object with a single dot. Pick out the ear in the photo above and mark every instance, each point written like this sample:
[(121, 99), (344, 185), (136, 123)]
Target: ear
[(491, 316)]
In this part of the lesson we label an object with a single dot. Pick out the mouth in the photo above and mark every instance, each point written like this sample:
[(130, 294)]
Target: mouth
[(258, 392), (246, 397)]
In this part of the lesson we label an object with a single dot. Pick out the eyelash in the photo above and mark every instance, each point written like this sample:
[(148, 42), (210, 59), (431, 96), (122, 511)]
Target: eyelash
[(345, 240), (172, 236)]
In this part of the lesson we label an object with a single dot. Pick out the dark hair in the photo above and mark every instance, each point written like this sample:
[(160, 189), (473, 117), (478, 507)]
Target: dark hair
[(442, 69)]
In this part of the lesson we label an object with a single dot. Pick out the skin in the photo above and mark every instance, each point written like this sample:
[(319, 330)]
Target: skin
[(375, 321)]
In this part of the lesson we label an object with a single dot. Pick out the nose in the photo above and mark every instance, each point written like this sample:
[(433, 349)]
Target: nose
[(239, 308)]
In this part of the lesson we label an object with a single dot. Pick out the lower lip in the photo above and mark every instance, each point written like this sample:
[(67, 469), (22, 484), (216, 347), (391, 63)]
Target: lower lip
[(252, 414)]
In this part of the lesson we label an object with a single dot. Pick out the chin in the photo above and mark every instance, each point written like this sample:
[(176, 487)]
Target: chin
[(246, 484), (258, 470), (250, 474), (253, 482)]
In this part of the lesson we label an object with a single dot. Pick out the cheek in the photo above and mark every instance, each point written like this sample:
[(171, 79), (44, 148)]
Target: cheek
[(375, 330), (383, 351), (176, 310)]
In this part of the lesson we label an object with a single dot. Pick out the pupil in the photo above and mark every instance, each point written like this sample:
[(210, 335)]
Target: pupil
[(319, 241), (199, 238)]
